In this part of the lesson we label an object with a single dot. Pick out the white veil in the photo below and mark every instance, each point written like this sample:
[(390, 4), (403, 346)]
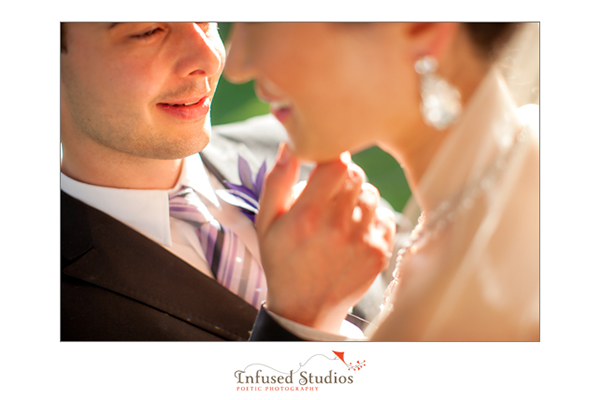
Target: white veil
[(520, 65), (474, 274)]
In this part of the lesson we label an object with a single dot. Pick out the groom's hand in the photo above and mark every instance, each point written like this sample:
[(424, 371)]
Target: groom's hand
[(321, 251)]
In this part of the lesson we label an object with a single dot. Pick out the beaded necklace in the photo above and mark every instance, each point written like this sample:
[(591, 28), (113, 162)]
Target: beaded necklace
[(431, 224)]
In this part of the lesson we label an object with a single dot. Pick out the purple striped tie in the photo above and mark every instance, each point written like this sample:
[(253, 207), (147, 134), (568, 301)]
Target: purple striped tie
[(229, 259)]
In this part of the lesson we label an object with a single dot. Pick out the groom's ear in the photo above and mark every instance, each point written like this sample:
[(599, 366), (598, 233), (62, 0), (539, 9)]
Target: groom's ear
[(429, 38)]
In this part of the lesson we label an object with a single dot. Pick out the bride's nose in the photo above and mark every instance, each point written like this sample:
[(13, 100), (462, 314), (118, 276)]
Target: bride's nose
[(238, 65)]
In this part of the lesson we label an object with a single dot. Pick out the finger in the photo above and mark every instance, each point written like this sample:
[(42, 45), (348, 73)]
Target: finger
[(324, 183), (277, 194), (383, 233), (386, 222), (344, 202), (298, 189), (366, 204)]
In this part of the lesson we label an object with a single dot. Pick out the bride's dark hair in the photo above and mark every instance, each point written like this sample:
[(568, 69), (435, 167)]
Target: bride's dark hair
[(490, 37)]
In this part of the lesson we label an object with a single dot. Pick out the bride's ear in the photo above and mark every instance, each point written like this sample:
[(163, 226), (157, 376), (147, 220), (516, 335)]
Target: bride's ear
[(429, 38)]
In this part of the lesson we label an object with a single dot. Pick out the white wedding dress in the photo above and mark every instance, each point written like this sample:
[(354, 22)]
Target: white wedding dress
[(474, 275)]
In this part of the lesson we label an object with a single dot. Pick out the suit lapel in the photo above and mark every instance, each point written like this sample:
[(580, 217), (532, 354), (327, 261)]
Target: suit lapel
[(220, 157), (102, 251)]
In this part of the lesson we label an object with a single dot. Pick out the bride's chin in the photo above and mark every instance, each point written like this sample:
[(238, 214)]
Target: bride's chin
[(312, 146), (316, 155), (302, 153)]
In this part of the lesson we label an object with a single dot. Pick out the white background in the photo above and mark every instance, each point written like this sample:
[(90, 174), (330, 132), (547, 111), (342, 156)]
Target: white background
[(37, 365)]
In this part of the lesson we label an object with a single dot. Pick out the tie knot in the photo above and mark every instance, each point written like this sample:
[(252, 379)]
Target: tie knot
[(187, 205)]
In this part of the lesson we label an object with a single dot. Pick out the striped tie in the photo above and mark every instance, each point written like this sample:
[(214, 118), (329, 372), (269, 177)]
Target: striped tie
[(229, 259)]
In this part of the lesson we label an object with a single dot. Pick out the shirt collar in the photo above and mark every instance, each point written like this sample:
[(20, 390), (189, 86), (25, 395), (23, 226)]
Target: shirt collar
[(146, 211)]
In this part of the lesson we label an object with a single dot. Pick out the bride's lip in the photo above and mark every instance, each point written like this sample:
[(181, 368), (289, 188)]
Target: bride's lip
[(189, 108), (280, 108), (282, 114)]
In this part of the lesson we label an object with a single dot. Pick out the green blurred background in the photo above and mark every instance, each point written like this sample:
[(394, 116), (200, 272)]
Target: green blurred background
[(234, 103)]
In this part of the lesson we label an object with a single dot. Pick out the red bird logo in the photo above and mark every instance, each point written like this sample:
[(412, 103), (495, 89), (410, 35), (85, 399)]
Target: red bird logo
[(355, 367)]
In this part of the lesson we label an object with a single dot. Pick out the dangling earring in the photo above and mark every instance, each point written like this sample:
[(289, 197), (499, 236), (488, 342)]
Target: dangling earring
[(440, 101)]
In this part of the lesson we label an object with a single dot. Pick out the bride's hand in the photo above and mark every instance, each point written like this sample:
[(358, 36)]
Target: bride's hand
[(321, 251)]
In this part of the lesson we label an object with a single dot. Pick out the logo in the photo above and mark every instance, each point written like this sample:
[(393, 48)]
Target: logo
[(324, 370)]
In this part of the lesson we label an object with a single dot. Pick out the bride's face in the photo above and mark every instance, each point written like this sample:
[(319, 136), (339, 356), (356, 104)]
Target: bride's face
[(334, 86)]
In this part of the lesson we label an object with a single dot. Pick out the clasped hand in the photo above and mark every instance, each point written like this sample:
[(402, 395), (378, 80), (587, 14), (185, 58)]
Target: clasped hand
[(322, 250)]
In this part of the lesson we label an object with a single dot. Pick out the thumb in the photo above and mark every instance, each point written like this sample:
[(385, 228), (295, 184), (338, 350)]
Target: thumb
[(277, 194)]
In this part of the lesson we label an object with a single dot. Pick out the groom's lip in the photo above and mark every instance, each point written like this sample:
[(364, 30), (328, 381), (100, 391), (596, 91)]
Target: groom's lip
[(188, 109)]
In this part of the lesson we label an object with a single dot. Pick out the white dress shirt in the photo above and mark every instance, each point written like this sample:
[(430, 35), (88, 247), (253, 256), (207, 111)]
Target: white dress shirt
[(348, 331), (147, 212)]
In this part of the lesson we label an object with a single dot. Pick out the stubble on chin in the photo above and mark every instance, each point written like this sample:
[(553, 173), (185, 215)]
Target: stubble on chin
[(149, 142), (169, 147)]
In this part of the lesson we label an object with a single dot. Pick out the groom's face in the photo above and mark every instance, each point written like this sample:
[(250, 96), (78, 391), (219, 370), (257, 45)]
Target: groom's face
[(140, 88)]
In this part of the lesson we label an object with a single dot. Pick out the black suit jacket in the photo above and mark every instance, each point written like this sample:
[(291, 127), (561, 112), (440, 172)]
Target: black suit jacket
[(116, 284)]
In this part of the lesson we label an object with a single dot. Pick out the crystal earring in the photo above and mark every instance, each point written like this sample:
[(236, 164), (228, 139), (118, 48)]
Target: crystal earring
[(440, 101)]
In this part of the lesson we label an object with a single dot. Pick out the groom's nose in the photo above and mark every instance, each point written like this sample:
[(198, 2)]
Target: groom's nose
[(198, 51)]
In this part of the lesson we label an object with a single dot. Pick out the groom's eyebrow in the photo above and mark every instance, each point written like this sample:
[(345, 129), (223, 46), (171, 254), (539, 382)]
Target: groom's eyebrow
[(114, 24)]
